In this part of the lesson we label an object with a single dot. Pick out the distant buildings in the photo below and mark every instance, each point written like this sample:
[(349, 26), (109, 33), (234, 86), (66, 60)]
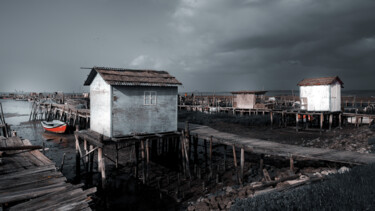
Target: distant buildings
[(321, 94), (124, 101)]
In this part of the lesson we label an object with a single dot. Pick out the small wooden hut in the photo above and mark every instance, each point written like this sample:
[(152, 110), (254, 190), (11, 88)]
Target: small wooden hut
[(321, 94), (248, 99), (127, 102)]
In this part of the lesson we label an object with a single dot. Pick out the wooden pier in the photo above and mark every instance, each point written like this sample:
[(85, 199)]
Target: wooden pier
[(67, 113), (30, 181), (259, 146)]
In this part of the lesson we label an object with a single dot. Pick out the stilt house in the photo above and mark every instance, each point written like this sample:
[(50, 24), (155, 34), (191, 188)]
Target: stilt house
[(321, 94), (127, 102), (247, 99)]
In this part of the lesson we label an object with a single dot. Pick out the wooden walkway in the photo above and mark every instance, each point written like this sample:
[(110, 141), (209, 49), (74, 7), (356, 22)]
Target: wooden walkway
[(30, 181), (259, 146)]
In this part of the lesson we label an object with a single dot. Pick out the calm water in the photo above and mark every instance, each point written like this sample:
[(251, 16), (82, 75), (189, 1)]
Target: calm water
[(17, 114)]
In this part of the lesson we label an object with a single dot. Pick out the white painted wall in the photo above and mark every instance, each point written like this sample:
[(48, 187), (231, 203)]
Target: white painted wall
[(131, 115), (101, 106), (336, 97), (318, 97), (245, 101)]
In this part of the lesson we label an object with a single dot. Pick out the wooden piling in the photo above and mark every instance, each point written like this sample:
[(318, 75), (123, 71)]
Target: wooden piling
[(235, 162), (242, 163), (321, 122), (330, 121), (143, 162), (297, 122)]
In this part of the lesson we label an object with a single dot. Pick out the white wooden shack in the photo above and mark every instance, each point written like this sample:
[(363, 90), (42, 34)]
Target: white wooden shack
[(127, 102), (247, 99), (321, 94)]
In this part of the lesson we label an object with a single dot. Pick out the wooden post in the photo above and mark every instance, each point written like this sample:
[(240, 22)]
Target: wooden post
[(195, 149), (291, 162), (235, 162), (297, 122), (183, 153), (330, 121), (261, 161), (86, 157), (91, 159), (116, 161), (205, 154), (187, 158), (136, 152), (321, 122), (147, 159), (101, 165), (143, 162), (210, 176), (340, 120), (225, 157), (242, 163), (271, 115), (78, 158)]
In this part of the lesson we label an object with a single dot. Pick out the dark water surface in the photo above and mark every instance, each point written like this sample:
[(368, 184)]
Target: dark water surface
[(17, 114)]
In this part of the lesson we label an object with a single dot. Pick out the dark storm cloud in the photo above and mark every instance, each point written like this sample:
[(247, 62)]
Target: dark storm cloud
[(213, 45)]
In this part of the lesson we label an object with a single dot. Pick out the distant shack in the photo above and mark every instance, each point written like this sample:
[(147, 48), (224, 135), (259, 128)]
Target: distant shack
[(321, 94), (127, 102), (248, 99)]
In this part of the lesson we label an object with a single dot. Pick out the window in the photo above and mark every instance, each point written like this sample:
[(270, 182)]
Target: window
[(150, 98)]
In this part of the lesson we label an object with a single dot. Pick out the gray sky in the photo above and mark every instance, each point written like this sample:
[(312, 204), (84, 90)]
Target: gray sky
[(209, 45)]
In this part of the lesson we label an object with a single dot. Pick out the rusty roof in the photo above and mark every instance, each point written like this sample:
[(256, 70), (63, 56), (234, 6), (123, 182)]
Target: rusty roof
[(320, 81), (250, 92), (131, 77)]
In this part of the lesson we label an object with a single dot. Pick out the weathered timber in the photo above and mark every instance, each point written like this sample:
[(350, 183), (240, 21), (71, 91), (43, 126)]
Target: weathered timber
[(259, 146)]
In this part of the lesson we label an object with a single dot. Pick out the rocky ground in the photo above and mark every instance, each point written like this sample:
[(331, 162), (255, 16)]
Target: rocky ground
[(346, 138)]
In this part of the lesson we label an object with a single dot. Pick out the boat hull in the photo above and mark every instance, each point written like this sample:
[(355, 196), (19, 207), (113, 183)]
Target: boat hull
[(55, 128)]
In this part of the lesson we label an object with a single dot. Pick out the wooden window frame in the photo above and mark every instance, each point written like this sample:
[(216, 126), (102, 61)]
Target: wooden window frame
[(150, 98)]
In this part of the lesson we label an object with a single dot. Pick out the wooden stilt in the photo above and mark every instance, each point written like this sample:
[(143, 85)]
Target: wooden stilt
[(330, 121), (297, 122), (210, 175), (242, 163), (183, 160), (195, 149), (271, 116), (147, 159), (86, 157), (143, 161), (136, 152), (291, 163), (321, 122), (205, 154), (340, 120), (261, 162), (225, 157), (116, 155), (235, 163), (78, 158)]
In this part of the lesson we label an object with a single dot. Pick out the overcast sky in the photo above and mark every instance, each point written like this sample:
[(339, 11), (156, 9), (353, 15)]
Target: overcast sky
[(209, 45)]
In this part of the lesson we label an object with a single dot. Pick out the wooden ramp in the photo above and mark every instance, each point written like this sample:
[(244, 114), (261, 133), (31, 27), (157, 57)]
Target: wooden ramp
[(276, 149), (30, 181)]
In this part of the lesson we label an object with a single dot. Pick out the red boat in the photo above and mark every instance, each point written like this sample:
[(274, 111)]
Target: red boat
[(56, 126)]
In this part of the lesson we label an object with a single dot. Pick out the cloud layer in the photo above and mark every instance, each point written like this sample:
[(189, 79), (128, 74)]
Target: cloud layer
[(215, 45)]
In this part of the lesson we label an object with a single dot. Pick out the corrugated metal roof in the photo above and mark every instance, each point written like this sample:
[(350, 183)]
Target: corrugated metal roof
[(131, 77), (250, 92), (320, 81)]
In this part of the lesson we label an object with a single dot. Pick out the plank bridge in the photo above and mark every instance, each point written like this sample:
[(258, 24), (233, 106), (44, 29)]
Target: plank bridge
[(30, 181)]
